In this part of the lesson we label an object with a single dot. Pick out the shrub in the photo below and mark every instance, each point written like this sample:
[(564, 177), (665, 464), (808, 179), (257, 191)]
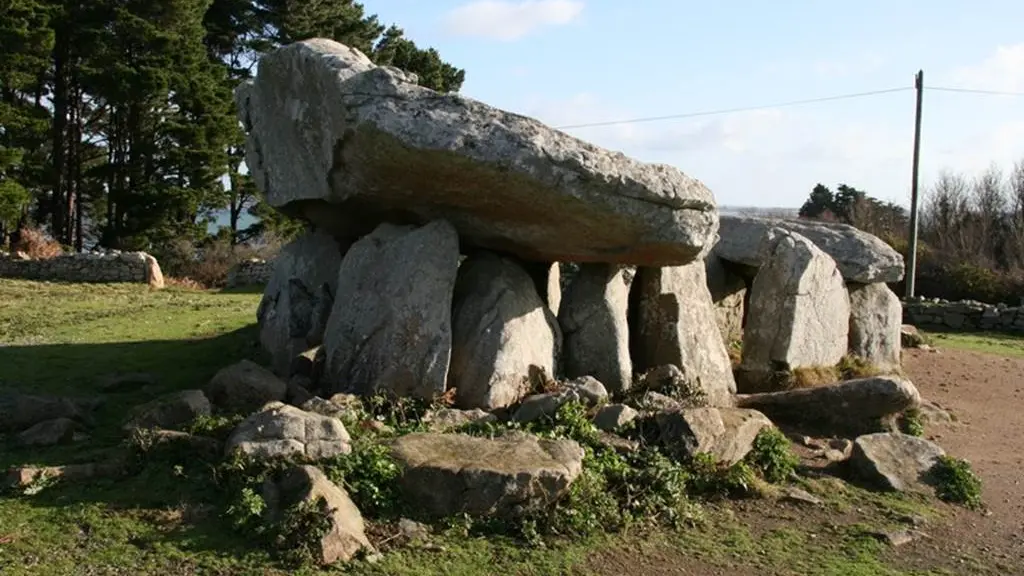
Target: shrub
[(957, 482), (911, 422), (207, 262), (772, 455), (37, 245)]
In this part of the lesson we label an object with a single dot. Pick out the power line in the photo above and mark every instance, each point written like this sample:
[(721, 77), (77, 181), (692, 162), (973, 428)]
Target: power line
[(973, 91), (735, 110)]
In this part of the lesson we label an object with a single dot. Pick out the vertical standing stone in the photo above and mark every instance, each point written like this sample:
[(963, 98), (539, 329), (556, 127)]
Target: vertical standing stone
[(390, 328), (876, 317), (503, 335), (305, 267), (799, 312), (674, 323), (728, 293), (595, 327)]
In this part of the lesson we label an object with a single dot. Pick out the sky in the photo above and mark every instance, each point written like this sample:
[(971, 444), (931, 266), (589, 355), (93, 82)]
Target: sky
[(570, 62)]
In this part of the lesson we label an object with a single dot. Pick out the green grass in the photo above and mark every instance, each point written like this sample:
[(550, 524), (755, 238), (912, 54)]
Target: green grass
[(988, 342), (167, 518)]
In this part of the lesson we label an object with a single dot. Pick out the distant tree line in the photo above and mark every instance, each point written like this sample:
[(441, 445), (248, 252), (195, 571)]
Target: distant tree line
[(970, 231), (117, 120)]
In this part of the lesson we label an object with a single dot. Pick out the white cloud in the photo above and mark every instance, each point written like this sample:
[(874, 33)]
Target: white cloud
[(510, 20), (1002, 71)]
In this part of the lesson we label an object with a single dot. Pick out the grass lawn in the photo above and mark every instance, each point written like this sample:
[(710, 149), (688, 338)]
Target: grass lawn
[(167, 518), (1000, 344)]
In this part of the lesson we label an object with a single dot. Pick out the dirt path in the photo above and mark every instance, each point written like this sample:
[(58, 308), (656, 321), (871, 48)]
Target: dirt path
[(986, 395)]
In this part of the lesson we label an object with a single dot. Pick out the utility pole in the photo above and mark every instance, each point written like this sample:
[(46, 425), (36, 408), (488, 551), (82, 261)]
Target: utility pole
[(911, 271)]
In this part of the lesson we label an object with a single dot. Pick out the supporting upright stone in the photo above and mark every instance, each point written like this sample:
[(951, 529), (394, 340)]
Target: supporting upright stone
[(728, 293), (799, 312), (673, 322), (305, 273), (595, 327), (876, 317), (390, 329), (503, 335)]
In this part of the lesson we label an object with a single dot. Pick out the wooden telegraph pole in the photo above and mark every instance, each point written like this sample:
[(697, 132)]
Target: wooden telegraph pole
[(911, 271)]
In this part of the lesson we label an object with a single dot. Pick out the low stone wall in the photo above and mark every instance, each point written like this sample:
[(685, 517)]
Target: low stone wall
[(252, 272), (963, 315), (133, 267)]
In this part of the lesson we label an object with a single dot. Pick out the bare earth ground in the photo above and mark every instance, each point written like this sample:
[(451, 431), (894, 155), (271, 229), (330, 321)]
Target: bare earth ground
[(985, 393)]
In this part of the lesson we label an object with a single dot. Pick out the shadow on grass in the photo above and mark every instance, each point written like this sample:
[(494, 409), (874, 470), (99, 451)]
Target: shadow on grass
[(77, 371), (175, 484)]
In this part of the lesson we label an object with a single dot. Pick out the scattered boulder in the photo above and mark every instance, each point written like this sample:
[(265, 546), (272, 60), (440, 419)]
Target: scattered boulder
[(154, 276), (799, 312), (282, 430), (875, 317), (21, 411), (728, 293), (346, 536), (245, 387), (126, 382), (318, 405), (169, 411), (347, 144), (657, 402), (453, 474), (450, 418), (298, 390), (305, 274), (672, 319), (860, 257), (504, 337), (670, 380), (26, 476), (390, 330), (49, 433), (595, 327), (614, 416), (911, 337), (208, 447), (586, 390), (725, 433), (799, 496), (853, 406), (931, 412), (896, 461)]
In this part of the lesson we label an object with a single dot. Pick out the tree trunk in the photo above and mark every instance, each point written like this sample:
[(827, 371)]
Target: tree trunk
[(59, 129)]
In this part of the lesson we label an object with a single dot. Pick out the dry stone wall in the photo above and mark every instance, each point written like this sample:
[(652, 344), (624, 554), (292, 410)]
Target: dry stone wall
[(967, 315), (252, 272), (131, 267)]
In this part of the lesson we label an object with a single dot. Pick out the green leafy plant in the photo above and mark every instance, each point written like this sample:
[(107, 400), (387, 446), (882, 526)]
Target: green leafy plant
[(957, 482), (911, 422), (370, 475), (712, 479), (772, 455), (301, 528)]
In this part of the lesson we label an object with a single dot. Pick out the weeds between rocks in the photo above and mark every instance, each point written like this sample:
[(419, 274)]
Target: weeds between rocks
[(957, 482), (912, 423), (614, 492)]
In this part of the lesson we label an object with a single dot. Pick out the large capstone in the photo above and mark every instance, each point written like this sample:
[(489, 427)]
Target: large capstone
[(504, 336), (595, 327), (347, 144), (303, 283), (673, 322), (861, 257), (799, 312), (876, 317), (390, 329)]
